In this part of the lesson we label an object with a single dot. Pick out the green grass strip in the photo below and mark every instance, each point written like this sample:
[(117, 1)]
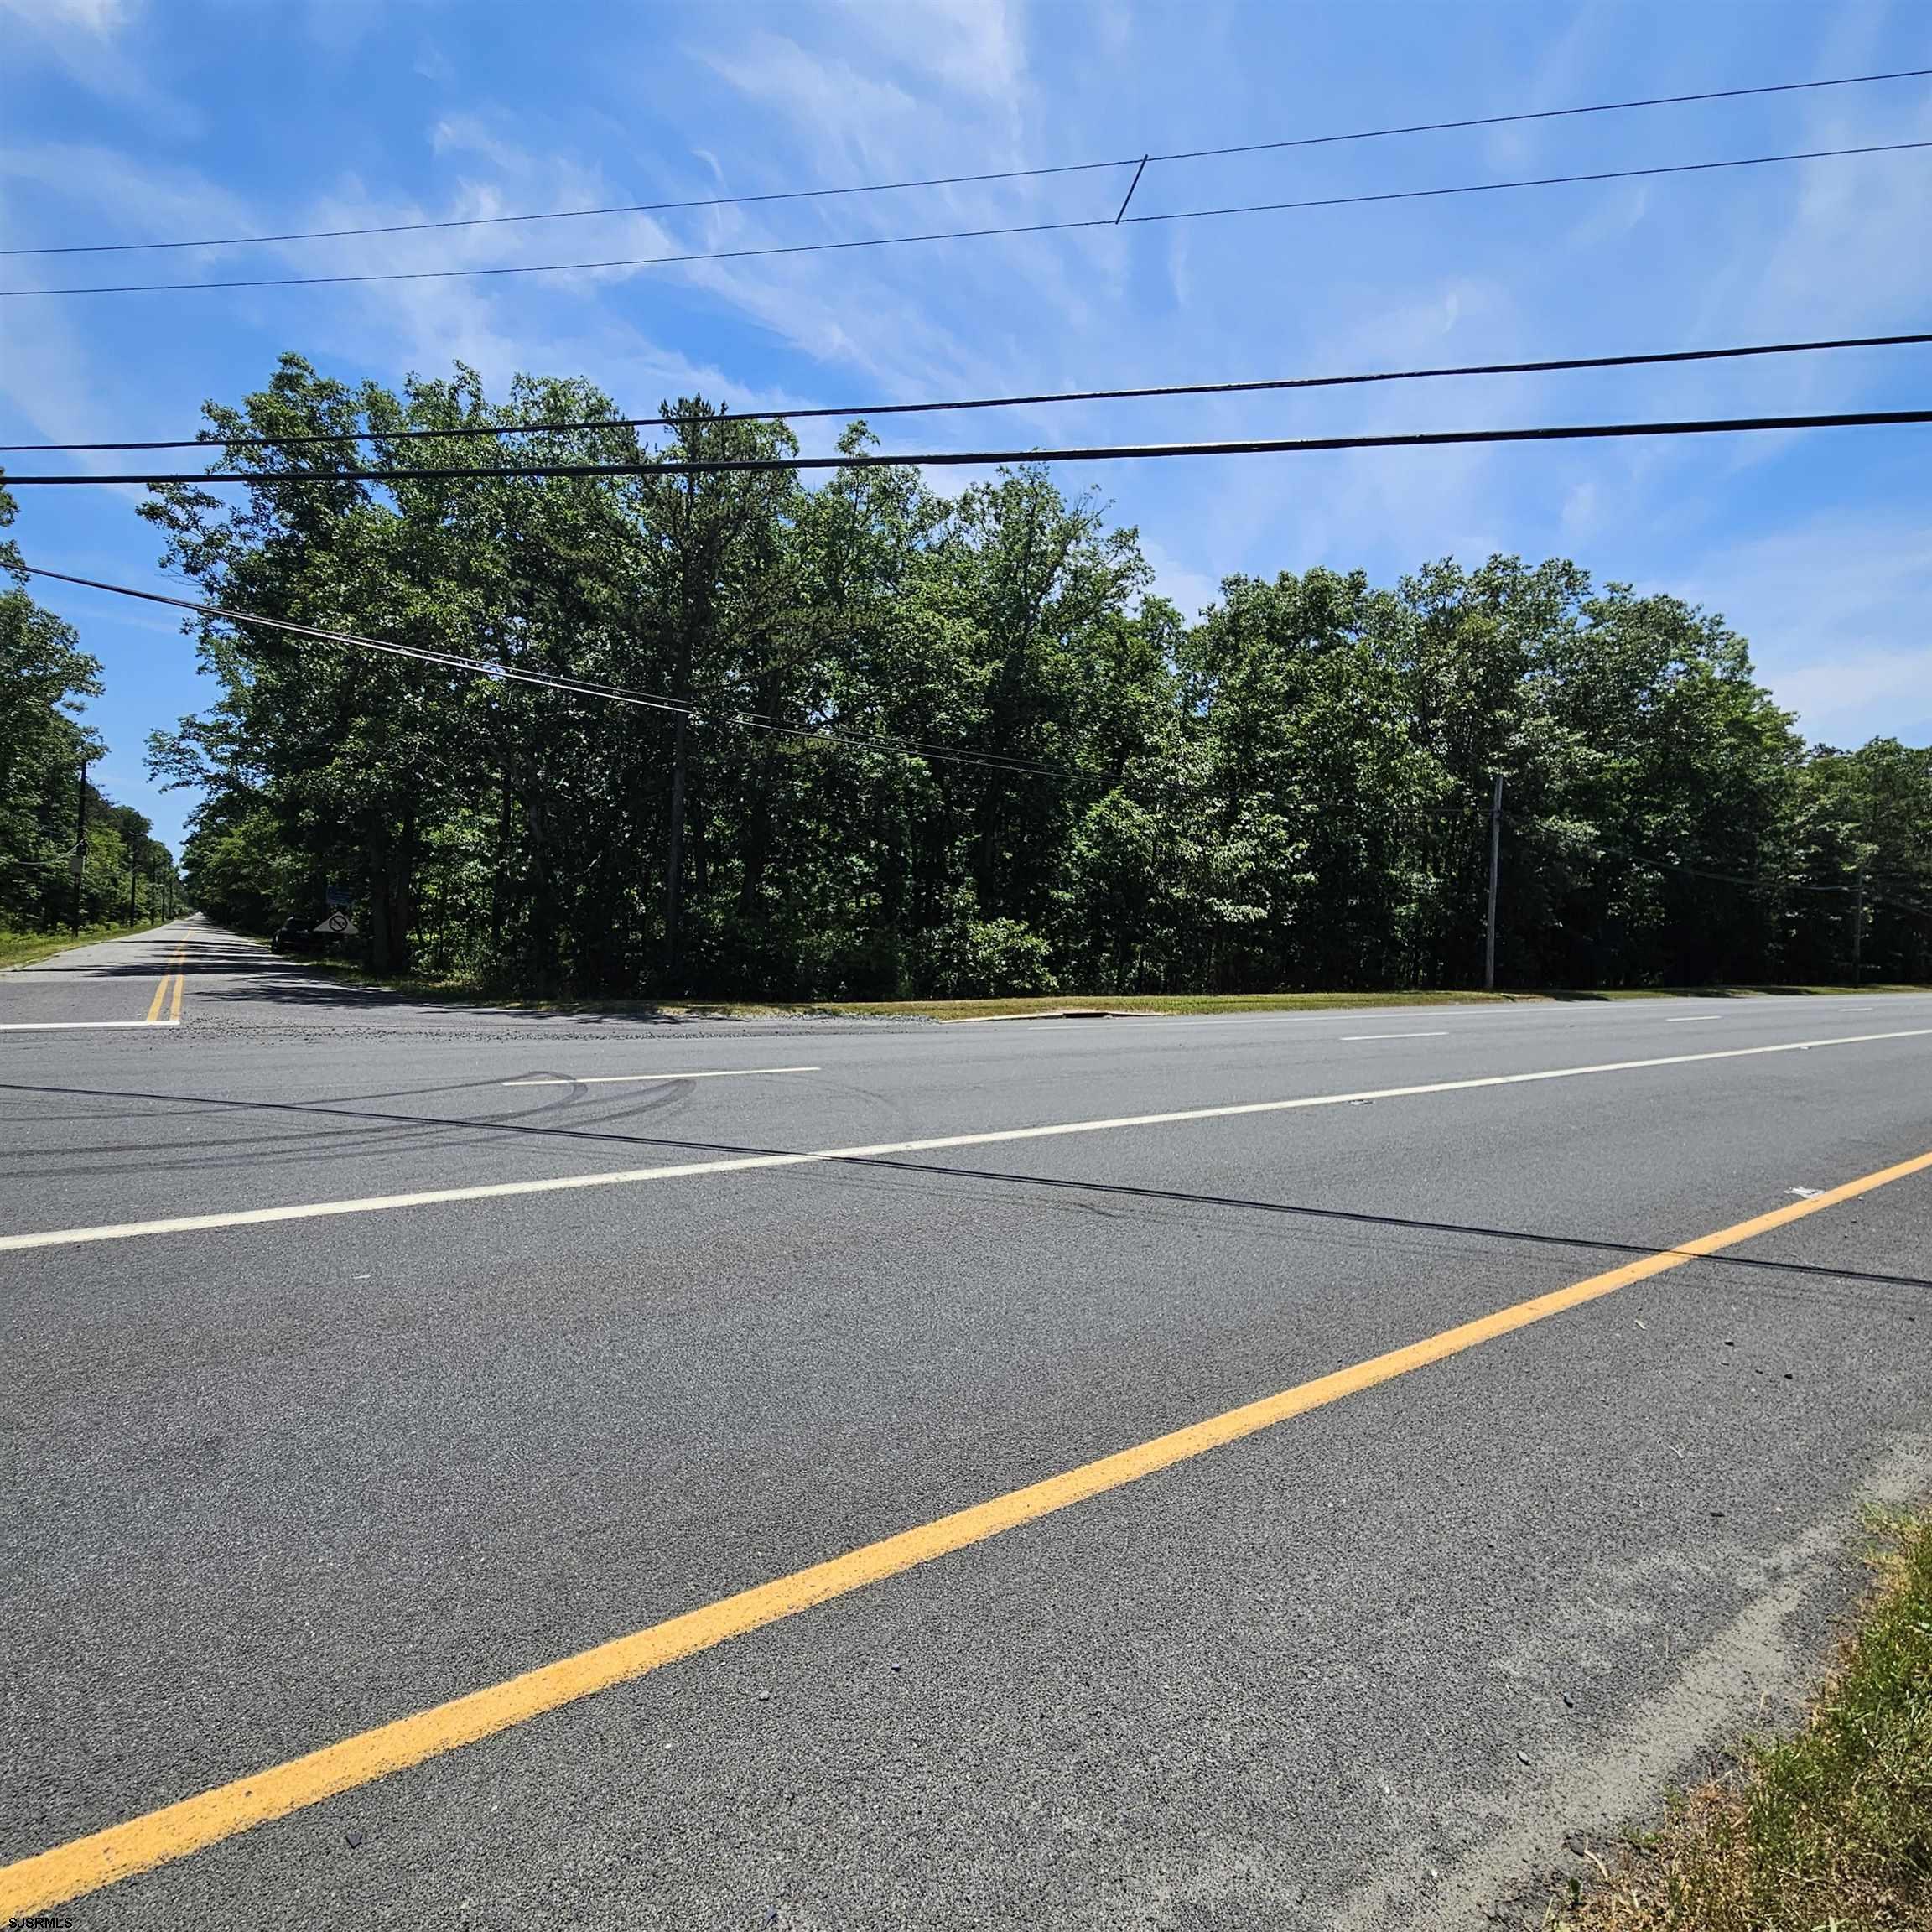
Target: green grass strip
[(1827, 1831)]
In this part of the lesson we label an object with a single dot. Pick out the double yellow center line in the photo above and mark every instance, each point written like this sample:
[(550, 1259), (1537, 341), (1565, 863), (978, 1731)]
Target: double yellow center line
[(66, 1872), (164, 1009)]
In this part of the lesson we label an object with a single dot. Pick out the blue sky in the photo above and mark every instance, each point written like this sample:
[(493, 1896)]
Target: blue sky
[(135, 119)]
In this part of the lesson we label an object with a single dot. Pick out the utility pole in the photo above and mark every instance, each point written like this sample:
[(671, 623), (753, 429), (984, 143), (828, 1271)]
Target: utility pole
[(674, 864), (80, 843), (680, 744), (1495, 858), (1858, 926), (133, 874)]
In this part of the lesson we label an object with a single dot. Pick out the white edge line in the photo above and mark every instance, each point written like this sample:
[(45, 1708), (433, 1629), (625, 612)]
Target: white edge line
[(75, 1025), (1442, 1033), (743, 1164), (624, 1080)]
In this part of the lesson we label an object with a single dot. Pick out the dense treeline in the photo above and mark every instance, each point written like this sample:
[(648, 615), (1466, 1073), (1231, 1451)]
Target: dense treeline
[(126, 875), (1291, 790)]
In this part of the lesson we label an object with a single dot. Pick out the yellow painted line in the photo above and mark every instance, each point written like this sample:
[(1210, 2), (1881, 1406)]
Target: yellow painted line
[(160, 1000), (67, 1871), (819, 1157), (174, 1004)]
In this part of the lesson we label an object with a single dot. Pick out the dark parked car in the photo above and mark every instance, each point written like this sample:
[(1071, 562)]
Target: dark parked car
[(298, 935)]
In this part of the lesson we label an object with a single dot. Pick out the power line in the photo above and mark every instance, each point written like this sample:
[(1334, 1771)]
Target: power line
[(963, 180), (968, 234), (584, 687), (577, 686), (999, 761), (1646, 359), (957, 459)]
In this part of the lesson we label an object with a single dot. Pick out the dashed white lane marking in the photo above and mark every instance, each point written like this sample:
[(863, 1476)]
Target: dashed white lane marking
[(749, 1163), (1442, 1033), (627, 1079), (75, 1025), (1699, 1018)]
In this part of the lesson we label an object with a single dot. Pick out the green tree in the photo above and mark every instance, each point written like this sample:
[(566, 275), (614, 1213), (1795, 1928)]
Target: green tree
[(45, 677), (869, 739)]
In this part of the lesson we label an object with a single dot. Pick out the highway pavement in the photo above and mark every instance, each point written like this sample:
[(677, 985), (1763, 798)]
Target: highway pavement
[(464, 1467)]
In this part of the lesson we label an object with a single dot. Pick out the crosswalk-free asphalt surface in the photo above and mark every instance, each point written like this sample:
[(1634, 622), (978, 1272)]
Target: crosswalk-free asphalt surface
[(467, 1466)]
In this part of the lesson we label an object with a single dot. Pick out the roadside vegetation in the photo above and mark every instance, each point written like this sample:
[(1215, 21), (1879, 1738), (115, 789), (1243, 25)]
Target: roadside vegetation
[(468, 992), (126, 875), (1047, 780), (24, 948), (1012, 1008), (458, 990), (1827, 1831), (1003, 765)]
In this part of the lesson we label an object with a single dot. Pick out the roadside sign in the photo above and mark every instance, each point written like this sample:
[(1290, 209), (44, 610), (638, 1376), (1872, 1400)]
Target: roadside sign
[(337, 926), (340, 896)]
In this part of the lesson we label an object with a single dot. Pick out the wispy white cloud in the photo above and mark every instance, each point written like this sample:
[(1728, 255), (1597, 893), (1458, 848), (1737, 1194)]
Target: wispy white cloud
[(52, 372), (866, 119), (1863, 694), (97, 18), (123, 196), (339, 27), (87, 42), (1834, 607), (971, 48), (1190, 590), (762, 98)]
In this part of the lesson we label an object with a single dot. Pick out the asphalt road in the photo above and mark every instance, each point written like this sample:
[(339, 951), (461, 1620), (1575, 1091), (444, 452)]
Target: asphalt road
[(552, 1338)]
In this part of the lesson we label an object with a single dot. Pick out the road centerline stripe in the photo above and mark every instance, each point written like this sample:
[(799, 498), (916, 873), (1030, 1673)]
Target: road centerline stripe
[(69, 1871), (156, 1005), (629, 1079), (820, 1157)]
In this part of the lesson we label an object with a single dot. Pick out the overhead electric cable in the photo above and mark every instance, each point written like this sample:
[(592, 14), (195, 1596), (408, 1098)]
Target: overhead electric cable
[(967, 180), (210, 440), (968, 234), (576, 687), (957, 459)]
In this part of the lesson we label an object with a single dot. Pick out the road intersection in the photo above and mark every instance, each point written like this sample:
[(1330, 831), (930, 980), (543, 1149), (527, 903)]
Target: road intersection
[(476, 1466)]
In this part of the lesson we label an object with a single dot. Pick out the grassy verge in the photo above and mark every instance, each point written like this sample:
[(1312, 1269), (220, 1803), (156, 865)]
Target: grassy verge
[(1279, 1002), (1019, 1007), (1839, 990), (471, 993), (24, 948), (1829, 1830)]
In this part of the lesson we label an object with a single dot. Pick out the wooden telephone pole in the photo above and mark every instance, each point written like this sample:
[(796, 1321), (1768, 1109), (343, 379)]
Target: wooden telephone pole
[(80, 845), (1495, 858)]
